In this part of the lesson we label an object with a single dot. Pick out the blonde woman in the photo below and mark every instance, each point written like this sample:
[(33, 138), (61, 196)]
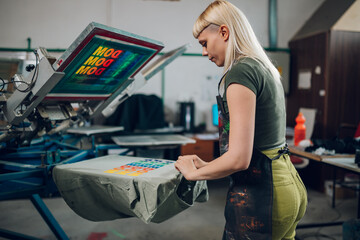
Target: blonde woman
[(266, 197)]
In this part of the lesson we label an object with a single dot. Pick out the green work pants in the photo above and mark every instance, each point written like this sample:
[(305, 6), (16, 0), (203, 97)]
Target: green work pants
[(289, 197)]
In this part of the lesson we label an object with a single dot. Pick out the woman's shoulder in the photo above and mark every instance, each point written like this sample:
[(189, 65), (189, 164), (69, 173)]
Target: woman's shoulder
[(244, 72), (246, 62), (247, 66)]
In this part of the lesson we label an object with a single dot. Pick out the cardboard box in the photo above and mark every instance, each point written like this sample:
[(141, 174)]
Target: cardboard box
[(340, 192)]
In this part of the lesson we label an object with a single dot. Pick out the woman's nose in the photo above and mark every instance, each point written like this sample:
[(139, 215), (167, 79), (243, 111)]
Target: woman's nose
[(204, 52)]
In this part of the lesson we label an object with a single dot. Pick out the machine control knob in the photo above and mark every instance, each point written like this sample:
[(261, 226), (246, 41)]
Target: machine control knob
[(30, 67)]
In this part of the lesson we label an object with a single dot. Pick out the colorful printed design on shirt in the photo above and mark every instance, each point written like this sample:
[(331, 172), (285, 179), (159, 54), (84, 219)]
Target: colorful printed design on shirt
[(139, 168)]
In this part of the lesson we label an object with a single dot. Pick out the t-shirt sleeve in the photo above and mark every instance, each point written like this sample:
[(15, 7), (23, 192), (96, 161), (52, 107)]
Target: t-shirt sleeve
[(243, 74)]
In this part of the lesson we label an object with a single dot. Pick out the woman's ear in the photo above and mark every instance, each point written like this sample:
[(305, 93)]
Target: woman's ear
[(224, 31)]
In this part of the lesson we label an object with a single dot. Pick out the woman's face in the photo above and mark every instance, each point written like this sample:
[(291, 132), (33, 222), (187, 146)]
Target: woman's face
[(213, 39)]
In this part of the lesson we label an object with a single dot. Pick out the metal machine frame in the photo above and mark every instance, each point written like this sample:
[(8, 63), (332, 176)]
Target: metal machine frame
[(34, 141)]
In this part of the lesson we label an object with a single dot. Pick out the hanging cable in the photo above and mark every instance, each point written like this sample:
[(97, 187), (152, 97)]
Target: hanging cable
[(33, 79)]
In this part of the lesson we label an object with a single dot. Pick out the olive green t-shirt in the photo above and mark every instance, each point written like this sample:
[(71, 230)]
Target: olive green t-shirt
[(270, 118)]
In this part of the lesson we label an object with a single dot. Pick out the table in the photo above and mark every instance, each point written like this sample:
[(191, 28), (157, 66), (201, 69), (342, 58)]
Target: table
[(346, 163), (154, 141), (340, 161), (301, 153), (206, 146), (94, 129)]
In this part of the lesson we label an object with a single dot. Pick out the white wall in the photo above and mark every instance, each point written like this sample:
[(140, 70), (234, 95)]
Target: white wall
[(55, 24)]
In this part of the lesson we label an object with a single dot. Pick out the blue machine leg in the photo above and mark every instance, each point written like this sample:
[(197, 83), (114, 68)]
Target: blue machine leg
[(16, 236), (48, 217)]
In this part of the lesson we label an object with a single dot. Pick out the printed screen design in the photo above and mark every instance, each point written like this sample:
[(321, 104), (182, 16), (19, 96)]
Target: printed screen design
[(101, 67), (139, 168)]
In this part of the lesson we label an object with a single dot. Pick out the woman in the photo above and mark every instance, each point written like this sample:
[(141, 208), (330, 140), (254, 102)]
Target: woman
[(266, 198)]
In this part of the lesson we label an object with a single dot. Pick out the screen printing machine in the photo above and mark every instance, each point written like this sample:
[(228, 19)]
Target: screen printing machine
[(39, 156)]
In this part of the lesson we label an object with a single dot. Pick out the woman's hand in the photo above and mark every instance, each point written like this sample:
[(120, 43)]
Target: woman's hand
[(186, 165), (199, 163)]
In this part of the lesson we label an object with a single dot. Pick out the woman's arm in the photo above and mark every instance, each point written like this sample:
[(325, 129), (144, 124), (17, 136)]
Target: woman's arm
[(241, 103)]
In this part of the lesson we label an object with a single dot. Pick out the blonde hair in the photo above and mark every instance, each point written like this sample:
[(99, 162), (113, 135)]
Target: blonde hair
[(242, 40)]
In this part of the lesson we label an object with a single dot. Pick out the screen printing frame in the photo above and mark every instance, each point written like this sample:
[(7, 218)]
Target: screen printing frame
[(160, 63), (110, 105), (68, 61)]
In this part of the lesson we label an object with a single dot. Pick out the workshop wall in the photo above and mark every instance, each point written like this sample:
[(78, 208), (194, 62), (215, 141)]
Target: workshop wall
[(55, 24)]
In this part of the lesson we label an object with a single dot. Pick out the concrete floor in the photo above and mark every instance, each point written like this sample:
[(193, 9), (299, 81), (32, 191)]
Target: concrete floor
[(202, 221)]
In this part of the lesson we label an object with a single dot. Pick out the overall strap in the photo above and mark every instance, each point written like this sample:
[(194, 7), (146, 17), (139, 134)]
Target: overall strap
[(282, 151)]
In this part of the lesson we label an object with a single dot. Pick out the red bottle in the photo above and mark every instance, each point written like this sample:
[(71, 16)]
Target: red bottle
[(300, 129)]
